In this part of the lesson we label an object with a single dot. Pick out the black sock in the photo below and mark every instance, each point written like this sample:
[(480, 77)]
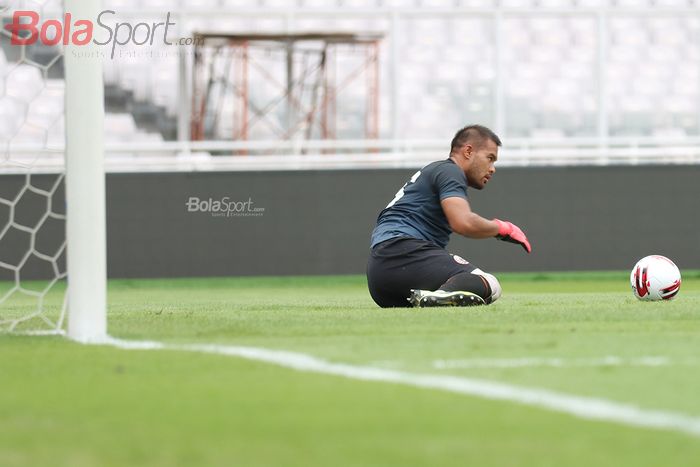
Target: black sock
[(468, 282)]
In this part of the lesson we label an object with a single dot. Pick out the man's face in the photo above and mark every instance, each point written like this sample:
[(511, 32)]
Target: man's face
[(480, 167)]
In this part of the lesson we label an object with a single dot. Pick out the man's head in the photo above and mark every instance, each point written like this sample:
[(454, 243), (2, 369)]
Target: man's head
[(475, 150)]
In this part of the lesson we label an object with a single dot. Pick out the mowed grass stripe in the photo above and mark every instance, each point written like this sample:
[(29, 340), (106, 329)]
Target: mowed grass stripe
[(582, 407), (73, 405)]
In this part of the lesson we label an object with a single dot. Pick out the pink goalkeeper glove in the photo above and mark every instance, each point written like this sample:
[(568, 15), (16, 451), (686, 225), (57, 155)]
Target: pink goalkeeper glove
[(511, 233)]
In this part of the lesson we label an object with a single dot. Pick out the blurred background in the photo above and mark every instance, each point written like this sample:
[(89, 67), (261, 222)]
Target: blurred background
[(581, 71)]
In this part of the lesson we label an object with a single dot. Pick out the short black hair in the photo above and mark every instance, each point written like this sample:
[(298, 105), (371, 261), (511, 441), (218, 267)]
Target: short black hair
[(473, 134)]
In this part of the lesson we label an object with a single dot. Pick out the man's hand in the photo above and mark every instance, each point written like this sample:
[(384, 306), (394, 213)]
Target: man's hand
[(511, 233)]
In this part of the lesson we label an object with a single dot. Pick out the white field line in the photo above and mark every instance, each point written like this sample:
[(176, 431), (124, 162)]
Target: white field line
[(588, 408), (553, 362)]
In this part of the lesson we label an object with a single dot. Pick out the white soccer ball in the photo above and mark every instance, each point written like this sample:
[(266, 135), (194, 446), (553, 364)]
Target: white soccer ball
[(655, 278)]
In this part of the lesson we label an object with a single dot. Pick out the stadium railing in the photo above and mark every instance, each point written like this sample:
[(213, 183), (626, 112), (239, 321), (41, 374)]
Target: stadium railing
[(362, 154)]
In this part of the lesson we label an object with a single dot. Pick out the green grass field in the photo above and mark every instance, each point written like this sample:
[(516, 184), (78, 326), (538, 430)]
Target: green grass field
[(65, 404)]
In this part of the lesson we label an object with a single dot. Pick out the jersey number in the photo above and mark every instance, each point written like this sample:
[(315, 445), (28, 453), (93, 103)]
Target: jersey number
[(400, 193)]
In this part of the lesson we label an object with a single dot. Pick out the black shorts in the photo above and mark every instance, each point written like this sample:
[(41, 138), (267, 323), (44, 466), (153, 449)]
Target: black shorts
[(400, 264)]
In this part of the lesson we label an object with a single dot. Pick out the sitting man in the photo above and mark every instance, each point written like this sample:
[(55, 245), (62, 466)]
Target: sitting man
[(408, 263)]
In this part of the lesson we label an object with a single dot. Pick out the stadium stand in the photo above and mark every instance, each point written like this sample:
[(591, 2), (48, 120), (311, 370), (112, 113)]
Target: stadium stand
[(448, 62)]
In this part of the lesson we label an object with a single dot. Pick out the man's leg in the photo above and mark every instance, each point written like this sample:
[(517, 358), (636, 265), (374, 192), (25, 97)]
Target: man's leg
[(399, 265), (469, 287)]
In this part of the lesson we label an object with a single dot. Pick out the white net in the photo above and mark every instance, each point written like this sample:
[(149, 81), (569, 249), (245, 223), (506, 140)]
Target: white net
[(32, 200)]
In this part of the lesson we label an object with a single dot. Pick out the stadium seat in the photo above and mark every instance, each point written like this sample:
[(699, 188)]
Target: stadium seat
[(47, 108), (12, 114), (365, 3), (237, 3), (29, 133), (555, 3), (156, 4), (435, 3), (522, 88), (49, 6), (671, 35), (200, 4), (671, 3), (631, 3), (547, 133), (274, 3), (318, 3), (23, 82), (516, 3), (474, 3), (320, 24), (118, 5)]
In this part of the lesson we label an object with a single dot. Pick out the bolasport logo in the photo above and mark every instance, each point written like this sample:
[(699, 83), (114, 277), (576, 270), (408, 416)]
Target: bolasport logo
[(26, 29), (224, 207)]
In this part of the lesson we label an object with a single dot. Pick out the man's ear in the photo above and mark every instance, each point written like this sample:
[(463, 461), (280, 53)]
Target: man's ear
[(467, 151)]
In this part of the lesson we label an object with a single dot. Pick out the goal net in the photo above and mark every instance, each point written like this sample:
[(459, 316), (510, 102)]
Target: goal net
[(52, 178)]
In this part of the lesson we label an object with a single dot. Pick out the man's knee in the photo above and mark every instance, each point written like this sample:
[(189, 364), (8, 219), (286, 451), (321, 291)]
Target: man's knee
[(494, 285)]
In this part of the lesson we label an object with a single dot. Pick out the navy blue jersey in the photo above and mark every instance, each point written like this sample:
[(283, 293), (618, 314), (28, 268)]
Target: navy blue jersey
[(416, 212)]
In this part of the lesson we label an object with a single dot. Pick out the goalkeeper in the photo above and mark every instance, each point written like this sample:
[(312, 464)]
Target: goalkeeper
[(408, 263)]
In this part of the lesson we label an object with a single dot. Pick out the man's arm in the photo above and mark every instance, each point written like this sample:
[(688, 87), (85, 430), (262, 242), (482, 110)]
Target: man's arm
[(468, 223)]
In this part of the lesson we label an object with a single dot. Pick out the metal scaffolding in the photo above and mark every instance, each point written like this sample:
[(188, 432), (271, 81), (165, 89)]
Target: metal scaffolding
[(301, 98)]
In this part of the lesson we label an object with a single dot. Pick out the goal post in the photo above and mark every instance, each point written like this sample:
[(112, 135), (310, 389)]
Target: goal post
[(85, 185)]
